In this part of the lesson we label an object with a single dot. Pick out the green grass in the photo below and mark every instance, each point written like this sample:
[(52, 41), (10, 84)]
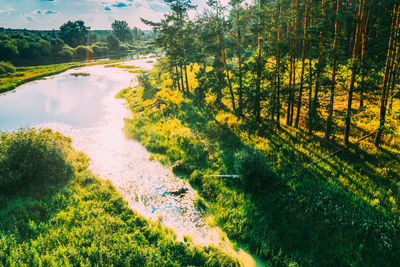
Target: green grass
[(121, 66), (6, 67), (59, 214), (23, 75), (336, 212), (135, 71)]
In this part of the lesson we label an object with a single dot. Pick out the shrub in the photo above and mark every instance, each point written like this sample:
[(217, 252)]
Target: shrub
[(8, 50), (99, 49), (32, 157), (113, 42), (149, 91), (196, 178), (6, 67), (251, 165), (67, 52), (84, 52)]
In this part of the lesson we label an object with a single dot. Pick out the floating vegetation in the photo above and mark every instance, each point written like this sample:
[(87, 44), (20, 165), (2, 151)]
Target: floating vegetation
[(135, 71), (78, 74), (121, 66)]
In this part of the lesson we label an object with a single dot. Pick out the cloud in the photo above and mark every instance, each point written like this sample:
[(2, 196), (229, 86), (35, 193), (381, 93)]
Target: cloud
[(6, 11), (120, 4), (29, 17), (33, 15), (158, 8), (113, 3), (45, 12)]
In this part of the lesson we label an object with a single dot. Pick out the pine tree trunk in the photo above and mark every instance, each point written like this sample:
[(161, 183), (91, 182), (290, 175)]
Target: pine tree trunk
[(177, 78), (390, 61), (292, 68), (278, 89), (320, 69), (278, 73), (294, 90), (240, 111), (229, 83), (303, 58), (257, 98), (334, 67), (362, 87), (310, 85), (289, 103), (181, 78), (391, 94), (186, 78), (356, 50), (294, 64)]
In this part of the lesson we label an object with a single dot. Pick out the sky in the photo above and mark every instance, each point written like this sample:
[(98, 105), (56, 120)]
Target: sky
[(98, 14)]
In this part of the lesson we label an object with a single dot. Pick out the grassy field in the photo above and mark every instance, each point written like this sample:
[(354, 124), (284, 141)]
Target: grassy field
[(26, 74), (340, 211), (54, 212)]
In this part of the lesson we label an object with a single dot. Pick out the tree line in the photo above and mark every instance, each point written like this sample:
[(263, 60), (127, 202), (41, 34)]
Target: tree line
[(74, 40), (288, 61)]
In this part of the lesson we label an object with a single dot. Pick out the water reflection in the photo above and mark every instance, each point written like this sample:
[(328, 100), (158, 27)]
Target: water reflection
[(62, 99), (85, 109)]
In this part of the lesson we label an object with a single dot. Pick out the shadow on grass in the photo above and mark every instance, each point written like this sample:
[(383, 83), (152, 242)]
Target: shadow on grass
[(310, 217)]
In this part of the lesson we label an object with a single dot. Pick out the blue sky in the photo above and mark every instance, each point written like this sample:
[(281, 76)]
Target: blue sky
[(98, 14)]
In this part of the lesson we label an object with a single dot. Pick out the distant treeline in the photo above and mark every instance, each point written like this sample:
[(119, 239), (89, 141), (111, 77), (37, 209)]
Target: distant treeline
[(73, 41)]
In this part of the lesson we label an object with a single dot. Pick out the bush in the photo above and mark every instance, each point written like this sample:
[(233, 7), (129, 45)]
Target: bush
[(6, 67), (8, 50), (251, 165), (84, 52), (149, 91), (67, 52), (32, 157), (196, 178), (113, 42), (99, 49)]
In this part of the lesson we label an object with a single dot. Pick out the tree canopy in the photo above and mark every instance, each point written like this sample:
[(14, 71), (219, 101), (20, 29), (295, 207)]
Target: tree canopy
[(74, 33), (121, 30)]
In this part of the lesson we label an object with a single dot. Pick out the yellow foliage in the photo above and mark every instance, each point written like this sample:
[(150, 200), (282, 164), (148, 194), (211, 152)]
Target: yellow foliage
[(170, 96), (228, 118)]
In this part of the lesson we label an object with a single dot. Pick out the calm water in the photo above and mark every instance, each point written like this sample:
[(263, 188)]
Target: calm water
[(85, 109)]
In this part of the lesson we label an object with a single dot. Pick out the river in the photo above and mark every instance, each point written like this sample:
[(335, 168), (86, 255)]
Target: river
[(84, 108)]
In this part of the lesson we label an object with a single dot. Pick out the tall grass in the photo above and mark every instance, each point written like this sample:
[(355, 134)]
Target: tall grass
[(6, 67), (72, 218)]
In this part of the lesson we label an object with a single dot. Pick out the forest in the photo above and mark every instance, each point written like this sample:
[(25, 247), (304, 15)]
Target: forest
[(73, 41), (290, 62)]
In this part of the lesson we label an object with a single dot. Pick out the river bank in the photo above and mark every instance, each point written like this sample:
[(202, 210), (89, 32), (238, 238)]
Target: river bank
[(24, 75), (64, 216), (81, 104)]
